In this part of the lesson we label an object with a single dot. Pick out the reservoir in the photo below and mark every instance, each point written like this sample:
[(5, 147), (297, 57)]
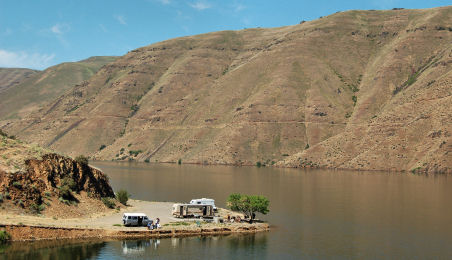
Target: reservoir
[(314, 214)]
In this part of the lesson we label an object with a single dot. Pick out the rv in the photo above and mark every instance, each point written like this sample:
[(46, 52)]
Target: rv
[(135, 219), (192, 211), (204, 201)]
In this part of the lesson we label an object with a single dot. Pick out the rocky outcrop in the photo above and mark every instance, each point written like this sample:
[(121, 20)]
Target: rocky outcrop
[(45, 177)]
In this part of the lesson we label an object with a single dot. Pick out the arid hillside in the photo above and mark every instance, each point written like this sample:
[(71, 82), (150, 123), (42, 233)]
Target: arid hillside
[(32, 89), (11, 77), (364, 90)]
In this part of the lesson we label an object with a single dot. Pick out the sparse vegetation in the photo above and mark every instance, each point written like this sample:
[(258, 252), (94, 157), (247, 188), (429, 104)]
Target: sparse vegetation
[(354, 99), (109, 202), (83, 160), (122, 196), (259, 164), (102, 147), (135, 153), (65, 193), (37, 208), (17, 185), (180, 223), (4, 236), (306, 147), (179, 161), (147, 160), (68, 181), (134, 109)]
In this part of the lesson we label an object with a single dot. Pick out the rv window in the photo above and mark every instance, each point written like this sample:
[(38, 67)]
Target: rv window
[(199, 202), (129, 217), (135, 217)]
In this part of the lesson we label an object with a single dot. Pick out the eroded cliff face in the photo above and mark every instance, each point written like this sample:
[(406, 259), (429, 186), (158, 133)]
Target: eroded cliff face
[(43, 178)]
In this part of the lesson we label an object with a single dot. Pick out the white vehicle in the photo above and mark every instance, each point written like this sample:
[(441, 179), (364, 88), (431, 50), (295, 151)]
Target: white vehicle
[(204, 201), (135, 219)]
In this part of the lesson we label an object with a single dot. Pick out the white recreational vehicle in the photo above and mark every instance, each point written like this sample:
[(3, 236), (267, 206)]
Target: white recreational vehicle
[(204, 201), (192, 211), (135, 219)]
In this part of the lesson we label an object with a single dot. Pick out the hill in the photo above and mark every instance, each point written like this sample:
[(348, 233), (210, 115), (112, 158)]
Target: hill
[(11, 77), (38, 88), (364, 90)]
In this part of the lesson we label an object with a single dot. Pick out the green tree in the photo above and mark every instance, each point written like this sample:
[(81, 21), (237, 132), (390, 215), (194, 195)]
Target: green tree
[(248, 204)]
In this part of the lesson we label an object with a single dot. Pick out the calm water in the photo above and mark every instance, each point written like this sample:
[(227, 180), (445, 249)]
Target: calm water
[(317, 214)]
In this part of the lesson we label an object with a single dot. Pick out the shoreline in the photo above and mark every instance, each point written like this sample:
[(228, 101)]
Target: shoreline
[(108, 224), (279, 167), (38, 233)]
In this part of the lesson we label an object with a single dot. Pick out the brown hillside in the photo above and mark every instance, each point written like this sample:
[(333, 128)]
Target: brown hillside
[(12, 77), (358, 89), (41, 87)]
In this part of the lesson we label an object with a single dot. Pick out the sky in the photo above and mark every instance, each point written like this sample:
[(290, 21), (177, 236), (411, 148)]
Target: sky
[(41, 33)]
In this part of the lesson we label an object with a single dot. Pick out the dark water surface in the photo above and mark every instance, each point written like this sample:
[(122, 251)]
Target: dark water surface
[(316, 213)]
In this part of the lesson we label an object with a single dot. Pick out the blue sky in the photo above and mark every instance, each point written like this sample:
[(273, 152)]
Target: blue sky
[(37, 34)]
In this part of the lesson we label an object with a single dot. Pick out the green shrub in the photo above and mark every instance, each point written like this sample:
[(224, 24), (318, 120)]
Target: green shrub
[(258, 164), (1, 198), (37, 208), (65, 192), (81, 159), (354, 99), (306, 147), (108, 202), (4, 236), (348, 114), (122, 196), (62, 200), (102, 147), (135, 153), (68, 181), (17, 184), (47, 194), (146, 160), (134, 107), (7, 196), (179, 161)]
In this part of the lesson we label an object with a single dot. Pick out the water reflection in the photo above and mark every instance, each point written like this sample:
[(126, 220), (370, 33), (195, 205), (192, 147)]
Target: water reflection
[(225, 246), (59, 249)]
